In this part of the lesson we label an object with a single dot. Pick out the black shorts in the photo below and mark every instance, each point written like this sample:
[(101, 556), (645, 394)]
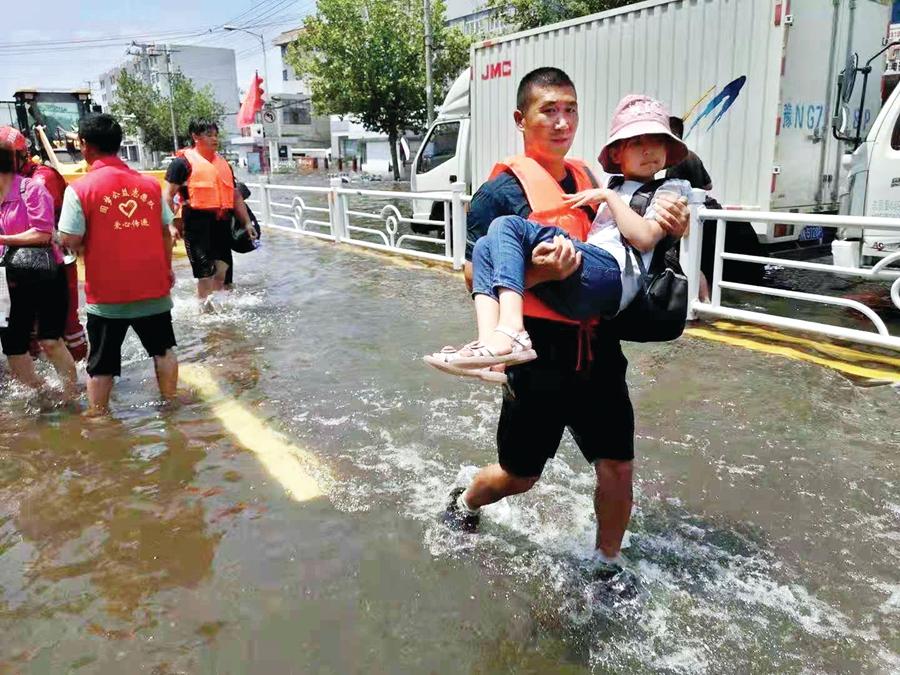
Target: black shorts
[(46, 301), (206, 240), (106, 336), (546, 396)]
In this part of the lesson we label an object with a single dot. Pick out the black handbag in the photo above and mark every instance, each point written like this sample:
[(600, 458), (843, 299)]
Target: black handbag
[(659, 311), (240, 240), (30, 264)]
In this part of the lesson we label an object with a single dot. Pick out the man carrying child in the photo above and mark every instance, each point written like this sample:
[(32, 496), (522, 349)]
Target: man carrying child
[(579, 380)]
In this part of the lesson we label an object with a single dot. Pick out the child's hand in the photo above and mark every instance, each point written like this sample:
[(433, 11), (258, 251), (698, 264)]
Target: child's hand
[(586, 197), (673, 215)]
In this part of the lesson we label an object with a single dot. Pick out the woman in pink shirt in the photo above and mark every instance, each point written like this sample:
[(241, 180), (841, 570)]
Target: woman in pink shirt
[(26, 219)]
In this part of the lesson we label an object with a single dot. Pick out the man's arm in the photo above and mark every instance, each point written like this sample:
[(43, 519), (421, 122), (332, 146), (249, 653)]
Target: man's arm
[(72, 225), (169, 192), (176, 176), (240, 210), (168, 238), (552, 262), (30, 237), (467, 275), (482, 210), (549, 262)]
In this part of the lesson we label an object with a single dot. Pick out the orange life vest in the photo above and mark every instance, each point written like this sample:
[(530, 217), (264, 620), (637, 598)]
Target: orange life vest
[(545, 197), (210, 184)]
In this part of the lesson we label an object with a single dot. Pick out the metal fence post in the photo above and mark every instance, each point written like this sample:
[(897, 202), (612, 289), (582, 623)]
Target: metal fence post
[(691, 247), (336, 211), (264, 203), (718, 265), (458, 224)]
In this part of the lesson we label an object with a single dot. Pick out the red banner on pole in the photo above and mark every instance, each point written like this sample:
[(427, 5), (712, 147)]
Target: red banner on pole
[(252, 103)]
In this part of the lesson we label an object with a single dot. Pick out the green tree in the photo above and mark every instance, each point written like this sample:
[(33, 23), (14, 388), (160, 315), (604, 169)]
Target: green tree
[(141, 108), (366, 59), (525, 14)]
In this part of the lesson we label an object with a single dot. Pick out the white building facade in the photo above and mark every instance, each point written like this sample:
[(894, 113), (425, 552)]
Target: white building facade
[(212, 66), (474, 17), (288, 135)]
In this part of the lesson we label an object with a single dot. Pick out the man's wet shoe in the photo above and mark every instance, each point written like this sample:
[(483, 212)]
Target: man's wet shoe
[(605, 571), (456, 518), (614, 580)]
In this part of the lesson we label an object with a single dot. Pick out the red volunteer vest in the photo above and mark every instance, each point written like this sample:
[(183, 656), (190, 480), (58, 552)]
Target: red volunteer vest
[(124, 250), (545, 197)]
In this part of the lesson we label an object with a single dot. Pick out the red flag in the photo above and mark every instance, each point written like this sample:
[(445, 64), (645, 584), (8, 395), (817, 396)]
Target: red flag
[(252, 103)]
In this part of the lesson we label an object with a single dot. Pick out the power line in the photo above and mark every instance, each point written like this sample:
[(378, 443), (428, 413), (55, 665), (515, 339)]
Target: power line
[(274, 6), (272, 11), (239, 17), (86, 41)]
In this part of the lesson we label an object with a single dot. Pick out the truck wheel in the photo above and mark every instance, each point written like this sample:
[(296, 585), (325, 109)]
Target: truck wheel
[(437, 213)]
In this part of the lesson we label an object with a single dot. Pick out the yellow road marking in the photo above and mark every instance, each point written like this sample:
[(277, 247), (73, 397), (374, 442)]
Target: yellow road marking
[(789, 352), (285, 462), (825, 347)]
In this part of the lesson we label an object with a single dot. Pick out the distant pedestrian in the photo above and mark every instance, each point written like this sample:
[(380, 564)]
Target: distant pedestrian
[(205, 184)]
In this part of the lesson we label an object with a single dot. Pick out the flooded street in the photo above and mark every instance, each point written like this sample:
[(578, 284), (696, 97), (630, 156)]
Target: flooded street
[(766, 533)]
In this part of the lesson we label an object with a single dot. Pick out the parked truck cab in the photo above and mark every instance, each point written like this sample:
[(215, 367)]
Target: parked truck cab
[(873, 189), (443, 156)]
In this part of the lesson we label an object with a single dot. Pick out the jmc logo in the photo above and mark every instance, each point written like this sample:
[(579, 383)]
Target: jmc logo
[(494, 70)]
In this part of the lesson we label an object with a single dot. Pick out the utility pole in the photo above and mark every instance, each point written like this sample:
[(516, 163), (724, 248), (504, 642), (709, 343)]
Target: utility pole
[(273, 145), (171, 100), (429, 93), (144, 68), (148, 50)]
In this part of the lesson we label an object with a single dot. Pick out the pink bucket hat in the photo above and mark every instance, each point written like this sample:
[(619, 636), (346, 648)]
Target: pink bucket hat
[(637, 115)]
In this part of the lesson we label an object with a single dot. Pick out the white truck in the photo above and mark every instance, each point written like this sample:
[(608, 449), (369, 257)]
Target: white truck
[(755, 80)]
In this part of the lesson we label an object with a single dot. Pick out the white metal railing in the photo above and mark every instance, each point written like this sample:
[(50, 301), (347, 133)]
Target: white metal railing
[(383, 229), (286, 207), (692, 246)]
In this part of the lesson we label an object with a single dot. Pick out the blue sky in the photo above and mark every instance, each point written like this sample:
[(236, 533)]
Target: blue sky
[(26, 60)]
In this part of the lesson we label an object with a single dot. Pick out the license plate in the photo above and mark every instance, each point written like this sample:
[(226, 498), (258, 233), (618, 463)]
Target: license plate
[(811, 233)]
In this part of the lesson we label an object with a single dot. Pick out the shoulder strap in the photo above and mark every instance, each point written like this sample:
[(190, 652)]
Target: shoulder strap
[(642, 197), (640, 202)]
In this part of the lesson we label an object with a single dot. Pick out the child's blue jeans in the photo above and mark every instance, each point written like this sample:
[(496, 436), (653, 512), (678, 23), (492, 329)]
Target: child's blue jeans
[(499, 260)]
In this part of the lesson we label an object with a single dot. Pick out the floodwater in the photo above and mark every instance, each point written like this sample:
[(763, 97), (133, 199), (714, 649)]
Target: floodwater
[(766, 531)]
